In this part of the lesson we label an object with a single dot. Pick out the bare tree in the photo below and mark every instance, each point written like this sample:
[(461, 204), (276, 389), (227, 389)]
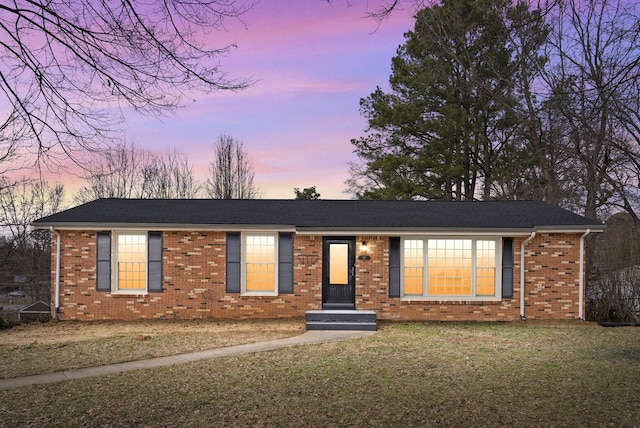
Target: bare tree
[(168, 176), (595, 52), (230, 171), (614, 294), (68, 65), (26, 251), (12, 132), (382, 9), (128, 172), (115, 176)]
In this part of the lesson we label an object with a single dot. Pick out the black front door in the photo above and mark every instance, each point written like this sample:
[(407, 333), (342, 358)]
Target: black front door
[(338, 279)]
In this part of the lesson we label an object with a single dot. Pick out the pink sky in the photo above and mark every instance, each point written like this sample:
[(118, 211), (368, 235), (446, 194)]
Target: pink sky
[(313, 62)]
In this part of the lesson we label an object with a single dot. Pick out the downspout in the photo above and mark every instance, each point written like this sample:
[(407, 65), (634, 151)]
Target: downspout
[(525, 242), (581, 277), (57, 292)]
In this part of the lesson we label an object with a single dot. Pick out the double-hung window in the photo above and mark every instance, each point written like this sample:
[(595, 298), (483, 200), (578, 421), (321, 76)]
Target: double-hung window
[(260, 264), (444, 268), (131, 261)]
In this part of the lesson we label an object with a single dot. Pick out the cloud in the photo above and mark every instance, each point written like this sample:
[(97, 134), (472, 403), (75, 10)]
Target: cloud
[(312, 63)]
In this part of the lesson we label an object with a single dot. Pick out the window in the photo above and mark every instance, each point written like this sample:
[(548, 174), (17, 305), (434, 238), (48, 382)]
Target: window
[(131, 261), (413, 267), (449, 268), (338, 263), (485, 268), (259, 264)]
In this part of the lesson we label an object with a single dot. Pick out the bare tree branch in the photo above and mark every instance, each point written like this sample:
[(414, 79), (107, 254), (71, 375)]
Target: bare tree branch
[(70, 66), (26, 251), (128, 172), (230, 171)]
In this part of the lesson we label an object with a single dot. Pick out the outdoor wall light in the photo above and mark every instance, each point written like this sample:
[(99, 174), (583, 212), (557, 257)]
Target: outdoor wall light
[(364, 249)]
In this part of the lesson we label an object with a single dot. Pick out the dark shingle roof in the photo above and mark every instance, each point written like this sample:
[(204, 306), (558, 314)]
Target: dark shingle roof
[(319, 214)]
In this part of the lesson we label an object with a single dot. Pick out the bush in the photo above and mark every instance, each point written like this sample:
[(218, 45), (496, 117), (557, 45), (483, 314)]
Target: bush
[(615, 297), (6, 325)]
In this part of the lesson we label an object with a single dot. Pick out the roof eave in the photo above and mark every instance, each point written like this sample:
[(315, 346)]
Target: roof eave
[(328, 231), (596, 228), (163, 226), (450, 231)]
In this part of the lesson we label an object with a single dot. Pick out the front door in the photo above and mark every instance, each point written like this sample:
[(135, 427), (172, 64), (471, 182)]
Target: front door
[(338, 279)]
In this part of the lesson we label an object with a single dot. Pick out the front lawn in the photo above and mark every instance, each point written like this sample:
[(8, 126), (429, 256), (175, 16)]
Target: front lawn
[(413, 374), (35, 348)]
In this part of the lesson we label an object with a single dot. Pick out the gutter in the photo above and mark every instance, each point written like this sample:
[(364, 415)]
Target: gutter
[(57, 292), (581, 276), (525, 242), (321, 230), (166, 226)]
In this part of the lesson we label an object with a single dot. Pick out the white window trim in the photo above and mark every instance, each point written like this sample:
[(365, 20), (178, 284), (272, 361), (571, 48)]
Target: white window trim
[(497, 296), (114, 263), (243, 265)]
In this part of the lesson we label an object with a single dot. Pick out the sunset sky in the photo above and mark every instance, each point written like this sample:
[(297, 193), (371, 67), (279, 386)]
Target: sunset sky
[(313, 62)]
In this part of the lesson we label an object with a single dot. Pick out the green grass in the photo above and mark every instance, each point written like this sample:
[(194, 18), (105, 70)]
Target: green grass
[(431, 374)]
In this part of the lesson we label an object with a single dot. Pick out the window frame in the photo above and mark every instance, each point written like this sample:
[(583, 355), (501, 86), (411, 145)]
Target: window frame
[(425, 296), (243, 264), (115, 280)]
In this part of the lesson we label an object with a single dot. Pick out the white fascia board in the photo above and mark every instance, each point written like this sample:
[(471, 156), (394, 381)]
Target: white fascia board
[(441, 231), (414, 232), (168, 227), (318, 231), (565, 229)]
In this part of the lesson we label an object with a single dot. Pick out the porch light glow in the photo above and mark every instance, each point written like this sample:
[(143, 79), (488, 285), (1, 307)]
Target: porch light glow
[(364, 250)]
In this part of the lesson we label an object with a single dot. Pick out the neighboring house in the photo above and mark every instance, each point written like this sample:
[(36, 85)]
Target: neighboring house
[(403, 260)]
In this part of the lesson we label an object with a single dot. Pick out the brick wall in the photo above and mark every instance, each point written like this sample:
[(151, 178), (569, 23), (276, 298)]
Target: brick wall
[(551, 285), (552, 269), (194, 283)]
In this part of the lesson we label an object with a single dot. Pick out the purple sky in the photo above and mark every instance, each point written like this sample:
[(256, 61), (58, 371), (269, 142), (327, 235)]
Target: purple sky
[(312, 62)]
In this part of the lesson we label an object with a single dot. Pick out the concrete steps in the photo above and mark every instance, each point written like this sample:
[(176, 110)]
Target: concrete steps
[(340, 319)]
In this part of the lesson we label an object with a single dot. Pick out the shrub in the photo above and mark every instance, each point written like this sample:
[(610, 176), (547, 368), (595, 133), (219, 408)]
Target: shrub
[(5, 325), (615, 297)]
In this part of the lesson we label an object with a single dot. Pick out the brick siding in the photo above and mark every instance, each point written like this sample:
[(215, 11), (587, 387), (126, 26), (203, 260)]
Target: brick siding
[(194, 283)]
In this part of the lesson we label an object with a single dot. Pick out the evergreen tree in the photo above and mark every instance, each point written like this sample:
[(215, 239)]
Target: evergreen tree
[(446, 130)]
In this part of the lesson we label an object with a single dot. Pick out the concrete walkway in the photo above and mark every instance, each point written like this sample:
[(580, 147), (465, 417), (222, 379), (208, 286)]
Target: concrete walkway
[(308, 338)]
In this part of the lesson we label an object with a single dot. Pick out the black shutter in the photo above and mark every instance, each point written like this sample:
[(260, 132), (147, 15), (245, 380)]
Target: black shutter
[(233, 262), (103, 262), (285, 263), (394, 267), (507, 267), (154, 261)]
